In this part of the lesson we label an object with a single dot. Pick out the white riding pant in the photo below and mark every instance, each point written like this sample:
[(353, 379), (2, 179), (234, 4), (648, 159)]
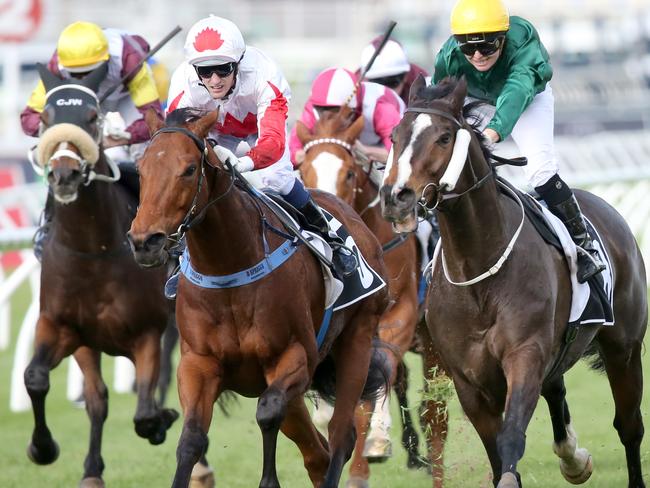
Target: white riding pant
[(533, 135)]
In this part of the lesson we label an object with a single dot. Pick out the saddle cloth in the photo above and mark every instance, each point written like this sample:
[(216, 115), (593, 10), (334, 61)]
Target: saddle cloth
[(591, 302)]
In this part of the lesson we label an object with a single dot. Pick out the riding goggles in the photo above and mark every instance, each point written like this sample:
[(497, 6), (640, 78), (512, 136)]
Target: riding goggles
[(484, 44), (221, 70)]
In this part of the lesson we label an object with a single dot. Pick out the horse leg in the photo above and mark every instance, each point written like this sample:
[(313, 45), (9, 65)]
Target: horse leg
[(523, 391), (486, 419), (298, 427), (199, 386), (51, 345), (352, 361), (359, 469), (287, 380), (624, 371), (151, 422), (169, 341), (377, 446), (433, 408), (410, 439), (96, 399), (575, 463)]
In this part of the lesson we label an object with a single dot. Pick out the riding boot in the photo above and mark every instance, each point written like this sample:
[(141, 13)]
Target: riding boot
[(343, 262), (42, 233), (568, 211)]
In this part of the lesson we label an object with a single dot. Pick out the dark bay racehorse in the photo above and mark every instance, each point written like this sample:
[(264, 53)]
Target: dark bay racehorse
[(258, 339), (94, 296), (500, 337), (330, 164)]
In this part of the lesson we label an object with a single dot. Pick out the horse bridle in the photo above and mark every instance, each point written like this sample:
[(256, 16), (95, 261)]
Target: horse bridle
[(192, 217), (443, 196)]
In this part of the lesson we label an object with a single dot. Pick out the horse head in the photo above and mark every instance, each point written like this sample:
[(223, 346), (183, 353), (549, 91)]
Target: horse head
[(430, 148), (330, 163), (70, 133), (172, 176)]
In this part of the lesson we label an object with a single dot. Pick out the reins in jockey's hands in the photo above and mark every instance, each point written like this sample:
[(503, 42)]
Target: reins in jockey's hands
[(242, 164)]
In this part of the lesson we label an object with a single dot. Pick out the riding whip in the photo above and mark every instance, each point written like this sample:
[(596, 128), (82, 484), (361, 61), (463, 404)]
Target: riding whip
[(371, 61), (151, 52)]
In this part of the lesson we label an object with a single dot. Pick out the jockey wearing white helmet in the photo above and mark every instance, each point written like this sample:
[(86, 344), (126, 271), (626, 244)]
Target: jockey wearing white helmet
[(380, 106), (391, 67), (252, 96)]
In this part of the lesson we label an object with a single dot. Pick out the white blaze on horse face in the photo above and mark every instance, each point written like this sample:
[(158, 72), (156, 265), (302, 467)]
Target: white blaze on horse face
[(327, 167), (404, 168)]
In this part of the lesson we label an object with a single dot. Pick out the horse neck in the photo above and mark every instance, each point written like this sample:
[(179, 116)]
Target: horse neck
[(96, 221), (228, 238), (473, 227), (371, 215)]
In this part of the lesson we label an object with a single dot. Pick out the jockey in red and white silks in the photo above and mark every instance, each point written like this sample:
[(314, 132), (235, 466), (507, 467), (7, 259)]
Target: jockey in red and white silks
[(380, 106), (252, 116)]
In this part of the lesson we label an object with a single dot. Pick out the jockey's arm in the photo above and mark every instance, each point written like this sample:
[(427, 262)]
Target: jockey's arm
[(272, 127)]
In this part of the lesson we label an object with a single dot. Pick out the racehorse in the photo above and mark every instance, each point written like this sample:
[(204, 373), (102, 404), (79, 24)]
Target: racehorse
[(503, 330), (94, 297), (330, 164), (257, 339)]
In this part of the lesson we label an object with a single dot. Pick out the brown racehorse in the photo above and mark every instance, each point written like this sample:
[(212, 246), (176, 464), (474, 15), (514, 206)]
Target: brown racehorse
[(330, 165), (94, 296), (258, 339), (501, 331)]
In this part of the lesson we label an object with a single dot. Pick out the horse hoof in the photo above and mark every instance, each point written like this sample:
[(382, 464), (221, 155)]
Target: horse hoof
[(418, 462), (91, 483), (508, 480), (579, 469), (377, 450), (202, 477), (43, 456), (356, 482)]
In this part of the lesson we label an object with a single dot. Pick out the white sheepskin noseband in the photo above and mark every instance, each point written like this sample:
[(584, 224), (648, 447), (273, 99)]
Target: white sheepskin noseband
[(65, 132)]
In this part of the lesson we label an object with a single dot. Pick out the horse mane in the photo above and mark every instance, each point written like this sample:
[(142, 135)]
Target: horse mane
[(335, 123), (432, 93), (183, 116)]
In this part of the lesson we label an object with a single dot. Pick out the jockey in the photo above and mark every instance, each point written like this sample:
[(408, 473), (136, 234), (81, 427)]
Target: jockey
[(380, 106), (391, 67), (252, 96), (83, 47), (506, 65)]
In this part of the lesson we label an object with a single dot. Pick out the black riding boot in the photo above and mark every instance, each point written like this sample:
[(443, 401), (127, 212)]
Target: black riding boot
[(563, 204), (343, 262), (41, 234)]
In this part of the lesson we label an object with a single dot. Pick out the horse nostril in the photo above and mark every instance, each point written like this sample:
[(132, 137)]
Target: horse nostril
[(406, 196), (148, 243)]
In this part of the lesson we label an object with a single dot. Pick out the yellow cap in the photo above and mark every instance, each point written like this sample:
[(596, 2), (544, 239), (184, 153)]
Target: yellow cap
[(82, 46), (473, 16)]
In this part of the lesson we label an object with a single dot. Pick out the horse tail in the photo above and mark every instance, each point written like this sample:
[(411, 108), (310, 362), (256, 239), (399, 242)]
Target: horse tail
[(377, 381), (594, 357)]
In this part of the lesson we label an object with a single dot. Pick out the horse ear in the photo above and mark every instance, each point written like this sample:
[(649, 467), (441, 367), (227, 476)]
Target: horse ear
[(93, 79), (49, 79), (457, 97), (204, 124), (417, 85), (303, 133), (153, 121), (352, 133)]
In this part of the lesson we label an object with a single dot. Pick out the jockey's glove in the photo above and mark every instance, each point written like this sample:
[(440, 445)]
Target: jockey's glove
[(243, 164)]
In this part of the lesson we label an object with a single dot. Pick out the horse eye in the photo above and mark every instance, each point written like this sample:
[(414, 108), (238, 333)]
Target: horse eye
[(444, 139), (350, 174), (190, 170)]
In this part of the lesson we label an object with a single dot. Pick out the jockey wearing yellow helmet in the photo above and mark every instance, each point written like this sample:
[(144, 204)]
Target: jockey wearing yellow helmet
[(506, 66), (83, 47)]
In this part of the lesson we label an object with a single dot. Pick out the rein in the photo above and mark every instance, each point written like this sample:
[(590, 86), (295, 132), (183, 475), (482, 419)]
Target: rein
[(192, 217)]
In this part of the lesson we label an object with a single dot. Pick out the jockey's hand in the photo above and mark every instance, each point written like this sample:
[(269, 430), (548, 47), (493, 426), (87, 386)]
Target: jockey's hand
[(375, 153), (113, 142), (242, 164), (491, 135)]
